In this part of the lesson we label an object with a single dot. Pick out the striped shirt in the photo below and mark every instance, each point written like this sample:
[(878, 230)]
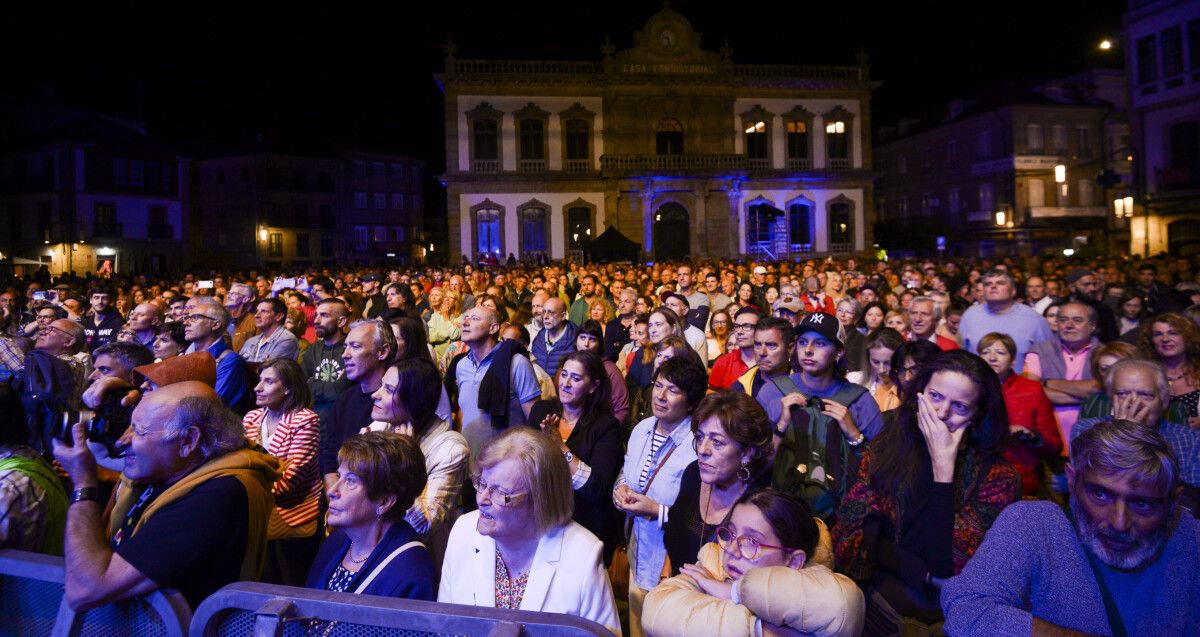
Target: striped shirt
[(657, 440), (296, 440)]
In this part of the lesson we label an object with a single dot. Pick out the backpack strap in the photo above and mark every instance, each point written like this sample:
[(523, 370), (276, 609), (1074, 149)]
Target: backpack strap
[(847, 394)]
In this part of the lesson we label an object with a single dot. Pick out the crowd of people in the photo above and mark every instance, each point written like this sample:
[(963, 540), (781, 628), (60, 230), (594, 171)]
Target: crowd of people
[(831, 447)]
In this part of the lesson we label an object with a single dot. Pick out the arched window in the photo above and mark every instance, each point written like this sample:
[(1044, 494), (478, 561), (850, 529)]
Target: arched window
[(534, 220), (488, 231), (838, 129), (841, 225), (579, 226), (669, 137), (800, 227)]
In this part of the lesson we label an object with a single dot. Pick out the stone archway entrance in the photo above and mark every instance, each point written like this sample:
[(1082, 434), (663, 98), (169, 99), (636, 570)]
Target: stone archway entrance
[(672, 237)]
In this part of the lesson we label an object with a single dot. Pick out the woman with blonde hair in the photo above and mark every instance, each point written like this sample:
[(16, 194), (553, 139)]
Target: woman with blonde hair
[(1174, 342), (520, 549), (898, 320), (445, 323), (601, 311)]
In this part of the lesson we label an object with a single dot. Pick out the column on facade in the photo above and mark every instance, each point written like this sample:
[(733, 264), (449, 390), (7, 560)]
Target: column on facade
[(647, 197), (699, 230), (734, 193), (612, 199)]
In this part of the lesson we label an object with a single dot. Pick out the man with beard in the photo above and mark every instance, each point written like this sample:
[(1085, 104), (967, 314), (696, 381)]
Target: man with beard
[(322, 361), (1121, 563)]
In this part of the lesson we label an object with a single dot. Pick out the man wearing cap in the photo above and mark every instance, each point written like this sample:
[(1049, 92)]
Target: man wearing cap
[(376, 303), (758, 279), (788, 308), (1086, 288), (678, 304)]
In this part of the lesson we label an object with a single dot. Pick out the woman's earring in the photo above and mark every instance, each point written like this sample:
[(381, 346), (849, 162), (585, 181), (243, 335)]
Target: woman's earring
[(743, 473)]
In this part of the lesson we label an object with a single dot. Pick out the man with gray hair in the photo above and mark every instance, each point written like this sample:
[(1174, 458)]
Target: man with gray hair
[(204, 327), (1139, 393), (924, 314), (1122, 562), (239, 301), (191, 510)]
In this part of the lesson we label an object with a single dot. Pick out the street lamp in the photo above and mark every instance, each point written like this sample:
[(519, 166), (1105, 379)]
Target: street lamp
[(1106, 44), (1060, 173), (262, 233), (1001, 218)]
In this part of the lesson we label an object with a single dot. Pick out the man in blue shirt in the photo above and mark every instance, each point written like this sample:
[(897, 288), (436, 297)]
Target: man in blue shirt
[(203, 327), (1122, 563), (1000, 312), (557, 338), (480, 333)]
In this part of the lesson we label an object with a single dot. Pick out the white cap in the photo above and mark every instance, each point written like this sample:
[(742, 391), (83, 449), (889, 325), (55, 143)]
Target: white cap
[(760, 270)]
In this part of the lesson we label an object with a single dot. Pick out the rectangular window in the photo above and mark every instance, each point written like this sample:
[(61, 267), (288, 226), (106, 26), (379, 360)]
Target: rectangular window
[(326, 244), (380, 200), (106, 213), (985, 196), (1193, 44), (1147, 60), (983, 147), (245, 173), (1058, 137), (487, 231), (325, 212), (157, 216), (121, 172), (137, 173), (377, 169), (797, 140), (416, 202), (300, 180), (360, 168), (398, 201), (756, 140), (901, 164), (381, 234), (485, 145), (1083, 140), (300, 215), (302, 248), (1171, 44), (800, 226), (952, 200), (952, 152), (578, 142), (397, 170), (1037, 192), (360, 238), (275, 244), (1034, 141), (1086, 190), (397, 233), (838, 140), (360, 200), (533, 135)]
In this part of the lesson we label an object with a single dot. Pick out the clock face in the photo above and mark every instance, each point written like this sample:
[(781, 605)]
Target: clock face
[(667, 37)]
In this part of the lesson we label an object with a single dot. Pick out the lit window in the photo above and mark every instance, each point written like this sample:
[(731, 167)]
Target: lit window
[(835, 128), (756, 127)]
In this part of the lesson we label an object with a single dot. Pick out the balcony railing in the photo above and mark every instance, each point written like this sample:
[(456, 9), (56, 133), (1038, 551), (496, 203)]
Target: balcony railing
[(672, 162), (578, 165), (759, 163), (485, 166), (799, 163), (531, 165), (839, 164), (525, 67), (160, 231), (785, 71), (108, 230)]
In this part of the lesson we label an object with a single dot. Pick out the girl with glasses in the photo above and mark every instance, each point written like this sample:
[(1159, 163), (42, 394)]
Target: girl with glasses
[(767, 573)]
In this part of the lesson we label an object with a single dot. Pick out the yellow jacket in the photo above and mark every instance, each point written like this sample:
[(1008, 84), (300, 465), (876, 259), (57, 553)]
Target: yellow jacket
[(813, 600)]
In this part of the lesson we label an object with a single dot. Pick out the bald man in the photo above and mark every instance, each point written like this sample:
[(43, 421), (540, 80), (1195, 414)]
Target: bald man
[(144, 320), (191, 509)]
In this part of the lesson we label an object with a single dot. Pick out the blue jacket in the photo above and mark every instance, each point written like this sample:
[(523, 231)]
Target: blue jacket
[(548, 356), (409, 576)]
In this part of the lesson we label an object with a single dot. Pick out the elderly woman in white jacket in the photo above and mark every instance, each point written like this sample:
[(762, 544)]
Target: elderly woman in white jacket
[(767, 574), (520, 549)]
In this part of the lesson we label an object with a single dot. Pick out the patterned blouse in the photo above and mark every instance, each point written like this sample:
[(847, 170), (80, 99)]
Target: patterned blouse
[(340, 580), (509, 590)]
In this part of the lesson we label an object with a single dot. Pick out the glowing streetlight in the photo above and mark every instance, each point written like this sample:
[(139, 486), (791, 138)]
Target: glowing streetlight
[(1106, 44), (1060, 173), (1068, 252), (1001, 217), (262, 233)]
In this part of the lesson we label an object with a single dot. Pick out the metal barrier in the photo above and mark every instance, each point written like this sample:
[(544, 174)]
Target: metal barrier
[(267, 610), (32, 603)]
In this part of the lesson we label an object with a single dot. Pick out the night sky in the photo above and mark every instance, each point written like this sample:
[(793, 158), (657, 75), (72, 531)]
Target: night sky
[(355, 74)]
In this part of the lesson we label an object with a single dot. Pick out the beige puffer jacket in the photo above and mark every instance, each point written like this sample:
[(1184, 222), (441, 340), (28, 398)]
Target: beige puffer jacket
[(812, 600)]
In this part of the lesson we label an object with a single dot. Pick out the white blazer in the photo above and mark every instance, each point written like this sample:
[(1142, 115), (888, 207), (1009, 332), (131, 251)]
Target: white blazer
[(567, 574)]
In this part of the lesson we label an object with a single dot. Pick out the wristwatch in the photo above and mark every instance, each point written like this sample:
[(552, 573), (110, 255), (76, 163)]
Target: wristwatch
[(85, 493), (569, 456)]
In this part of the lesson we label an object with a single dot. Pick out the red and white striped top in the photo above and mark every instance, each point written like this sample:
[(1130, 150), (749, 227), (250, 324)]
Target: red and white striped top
[(296, 440)]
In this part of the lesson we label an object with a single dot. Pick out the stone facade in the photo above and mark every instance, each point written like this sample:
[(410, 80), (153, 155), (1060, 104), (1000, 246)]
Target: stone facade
[(675, 146)]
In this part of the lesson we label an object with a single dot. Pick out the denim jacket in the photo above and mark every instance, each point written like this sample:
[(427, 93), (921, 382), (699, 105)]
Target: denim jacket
[(647, 551)]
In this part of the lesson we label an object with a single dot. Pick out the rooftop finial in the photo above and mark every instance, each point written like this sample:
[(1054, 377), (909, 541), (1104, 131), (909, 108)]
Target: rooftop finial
[(608, 48)]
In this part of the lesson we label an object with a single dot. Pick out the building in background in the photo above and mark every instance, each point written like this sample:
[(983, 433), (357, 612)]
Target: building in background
[(82, 192), (1162, 49), (674, 146), (282, 210), (1016, 171)]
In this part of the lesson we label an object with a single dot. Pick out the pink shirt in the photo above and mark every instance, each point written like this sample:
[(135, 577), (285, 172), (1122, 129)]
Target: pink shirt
[(1076, 364)]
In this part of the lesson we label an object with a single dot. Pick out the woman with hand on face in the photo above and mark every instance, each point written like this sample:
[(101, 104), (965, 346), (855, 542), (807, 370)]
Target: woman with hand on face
[(520, 549), (286, 427), (658, 450), (407, 402), (768, 573), (581, 424), (373, 550), (731, 434), (929, 487), (1031, 423)]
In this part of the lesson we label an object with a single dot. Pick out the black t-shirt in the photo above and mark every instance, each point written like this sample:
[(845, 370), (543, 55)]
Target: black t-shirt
[(195, 544), (351, 412)]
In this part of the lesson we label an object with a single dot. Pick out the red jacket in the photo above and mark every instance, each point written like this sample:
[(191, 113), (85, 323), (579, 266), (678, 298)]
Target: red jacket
[(728, 368), (1029, 407), (818, 304)]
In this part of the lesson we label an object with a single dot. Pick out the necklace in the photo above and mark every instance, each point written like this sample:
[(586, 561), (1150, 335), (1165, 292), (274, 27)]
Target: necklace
[(350, 554)]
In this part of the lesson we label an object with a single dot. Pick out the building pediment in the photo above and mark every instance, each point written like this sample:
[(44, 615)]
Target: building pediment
[(667, 44)]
